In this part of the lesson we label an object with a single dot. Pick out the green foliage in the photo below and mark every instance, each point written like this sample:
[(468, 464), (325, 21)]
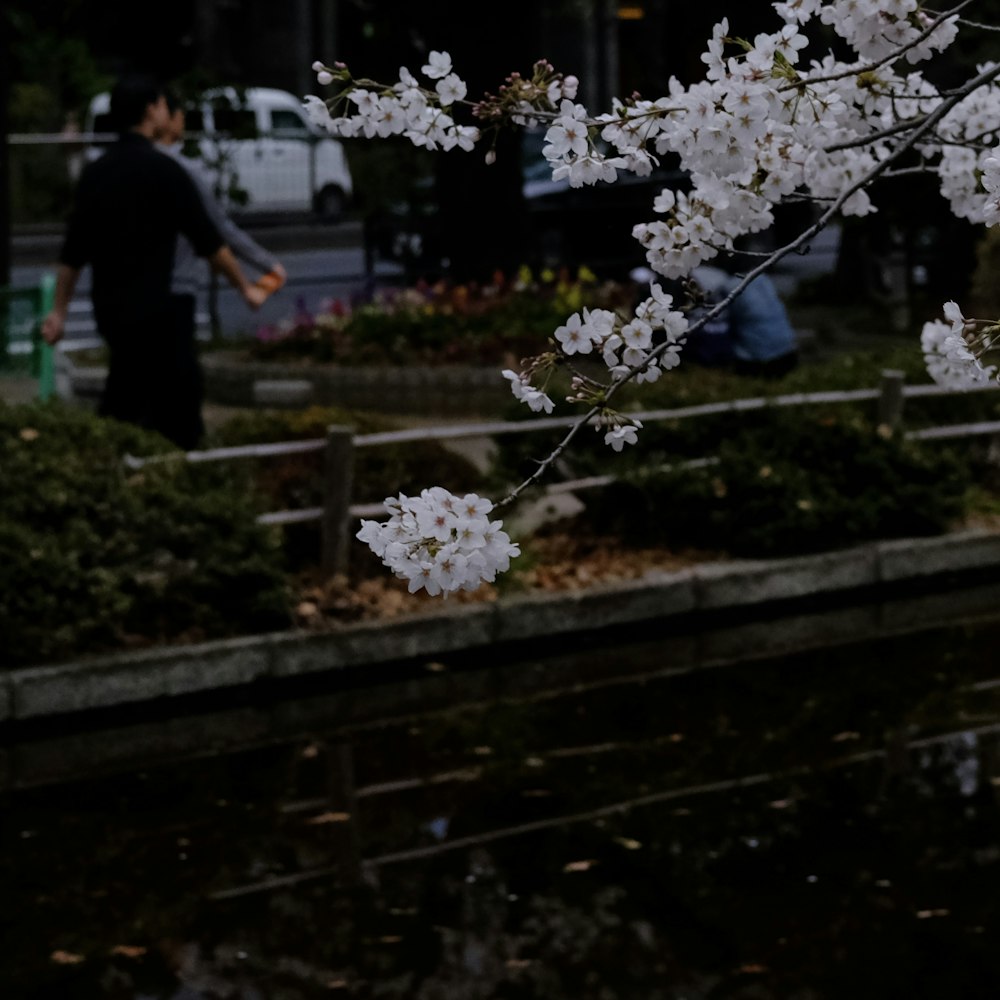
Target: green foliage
[(392, 175), (93, 555), (793, 483), (53, 75)]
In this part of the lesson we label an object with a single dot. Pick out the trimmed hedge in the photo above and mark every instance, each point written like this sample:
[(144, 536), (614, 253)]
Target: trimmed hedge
[(793, 483), (95, 557)]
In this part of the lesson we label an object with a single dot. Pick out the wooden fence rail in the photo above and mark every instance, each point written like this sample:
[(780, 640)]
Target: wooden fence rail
[(337, 512)]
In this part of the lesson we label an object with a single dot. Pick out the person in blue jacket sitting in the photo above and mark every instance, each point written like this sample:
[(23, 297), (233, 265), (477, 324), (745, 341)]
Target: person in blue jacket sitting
[(754, 335)]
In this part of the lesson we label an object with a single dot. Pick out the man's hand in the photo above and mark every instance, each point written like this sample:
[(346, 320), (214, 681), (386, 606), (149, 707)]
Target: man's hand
[(273, 280), (53, 327), (254, 296)]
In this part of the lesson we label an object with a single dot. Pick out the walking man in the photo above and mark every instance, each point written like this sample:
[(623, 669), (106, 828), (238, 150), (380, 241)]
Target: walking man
[(129, 208)]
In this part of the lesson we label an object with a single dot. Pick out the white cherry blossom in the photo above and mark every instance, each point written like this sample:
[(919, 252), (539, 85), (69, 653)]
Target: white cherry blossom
[(623, 434), (438, 66), (451, 89)]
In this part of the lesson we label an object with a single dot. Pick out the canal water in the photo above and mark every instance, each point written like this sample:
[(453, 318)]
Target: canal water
[(801, 808)]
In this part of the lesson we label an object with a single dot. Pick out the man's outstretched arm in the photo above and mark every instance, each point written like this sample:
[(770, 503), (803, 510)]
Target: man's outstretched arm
[(54, 325), (226, 264)]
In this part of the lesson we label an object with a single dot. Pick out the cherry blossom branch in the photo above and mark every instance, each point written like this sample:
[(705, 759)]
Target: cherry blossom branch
[(745, 149), (766, 264)]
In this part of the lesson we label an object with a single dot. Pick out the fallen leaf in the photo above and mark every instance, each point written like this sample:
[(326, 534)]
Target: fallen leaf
[(752, 968), (328, 817), (580, 866), (519, 963), (28, 434), (848, 735), (66, 958), (128, 950), (390, 939), (628, 843), (780, 803)]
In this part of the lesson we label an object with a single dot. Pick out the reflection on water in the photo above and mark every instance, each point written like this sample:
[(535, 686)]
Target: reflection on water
[(611, 824)]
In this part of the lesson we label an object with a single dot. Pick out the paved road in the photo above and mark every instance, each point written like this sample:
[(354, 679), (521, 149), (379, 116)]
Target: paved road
[(323, 263)]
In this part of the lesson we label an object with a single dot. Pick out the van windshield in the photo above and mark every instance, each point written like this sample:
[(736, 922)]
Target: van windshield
[(289, 124)]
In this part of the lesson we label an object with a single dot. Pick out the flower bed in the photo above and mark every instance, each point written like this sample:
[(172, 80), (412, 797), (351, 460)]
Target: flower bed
[(441, 324), (434, 349)]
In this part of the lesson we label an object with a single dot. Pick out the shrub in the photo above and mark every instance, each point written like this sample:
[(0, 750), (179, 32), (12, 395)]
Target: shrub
[(792, 484), (93, 556)]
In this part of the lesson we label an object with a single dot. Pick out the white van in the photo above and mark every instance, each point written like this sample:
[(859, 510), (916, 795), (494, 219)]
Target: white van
[(260, 142)]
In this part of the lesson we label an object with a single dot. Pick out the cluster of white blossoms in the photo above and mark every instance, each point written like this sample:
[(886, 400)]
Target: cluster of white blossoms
[(627, 346), (963, 170), (440, 542), (419, 113), (950, 359), (762, 126), (407, 108), (991, 183), (876, 29)]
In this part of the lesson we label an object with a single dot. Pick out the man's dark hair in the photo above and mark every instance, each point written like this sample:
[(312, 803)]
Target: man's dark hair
[(130, 97)]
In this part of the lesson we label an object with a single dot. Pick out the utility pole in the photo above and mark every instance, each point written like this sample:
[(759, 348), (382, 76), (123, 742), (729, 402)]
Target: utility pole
[(600, 53), (305, 55), (329, 40), (5, 205)]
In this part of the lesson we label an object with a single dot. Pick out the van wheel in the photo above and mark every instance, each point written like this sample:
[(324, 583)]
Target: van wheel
[(330, 204)]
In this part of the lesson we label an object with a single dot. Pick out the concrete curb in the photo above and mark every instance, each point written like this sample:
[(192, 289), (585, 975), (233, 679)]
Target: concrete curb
[(128, 678)]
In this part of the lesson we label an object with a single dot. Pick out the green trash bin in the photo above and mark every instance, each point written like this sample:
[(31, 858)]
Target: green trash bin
[(22, 349)]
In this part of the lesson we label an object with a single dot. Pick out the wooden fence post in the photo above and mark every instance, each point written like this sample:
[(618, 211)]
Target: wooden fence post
[(43, 361), (890, 400), (338, 484)]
